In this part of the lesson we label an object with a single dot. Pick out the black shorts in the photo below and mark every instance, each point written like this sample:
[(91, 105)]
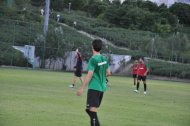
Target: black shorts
[(78, 72), (94, 98), (143, 78), (134, 75)]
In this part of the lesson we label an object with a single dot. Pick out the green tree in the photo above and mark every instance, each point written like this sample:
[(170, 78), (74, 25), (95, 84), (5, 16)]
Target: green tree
[(166, 16), (111, 15), (75, 4), (182, 11), (162, 28), (116, 3), (57, 5), (106, 2), (37, 3), (95, 7), (152, 7), (138, 18)]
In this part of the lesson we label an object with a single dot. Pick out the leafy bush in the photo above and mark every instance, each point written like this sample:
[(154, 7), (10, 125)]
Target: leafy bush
[(9, 56), (169, 69)]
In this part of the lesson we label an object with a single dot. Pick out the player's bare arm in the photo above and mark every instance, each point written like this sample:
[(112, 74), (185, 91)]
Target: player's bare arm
[(85, 83), (108, 72)]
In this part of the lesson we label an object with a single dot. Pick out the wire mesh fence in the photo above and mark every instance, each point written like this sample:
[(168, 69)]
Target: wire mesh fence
[(56, 51)]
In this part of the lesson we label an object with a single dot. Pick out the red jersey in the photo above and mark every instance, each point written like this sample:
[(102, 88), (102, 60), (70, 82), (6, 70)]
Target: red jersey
[(135, 68), (142, 70)]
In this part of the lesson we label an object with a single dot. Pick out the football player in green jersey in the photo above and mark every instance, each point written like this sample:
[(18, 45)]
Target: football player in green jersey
[(98, 70)]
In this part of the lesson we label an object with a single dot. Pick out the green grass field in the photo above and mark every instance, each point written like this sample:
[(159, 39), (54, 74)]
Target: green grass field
[(42, 98)]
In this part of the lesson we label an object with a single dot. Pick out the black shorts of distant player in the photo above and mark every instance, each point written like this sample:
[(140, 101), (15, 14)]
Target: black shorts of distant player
[(141, 78), (78, 72), (134, 75)]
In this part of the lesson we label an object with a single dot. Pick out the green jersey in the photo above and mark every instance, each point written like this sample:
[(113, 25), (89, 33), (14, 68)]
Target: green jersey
[(99, 65)]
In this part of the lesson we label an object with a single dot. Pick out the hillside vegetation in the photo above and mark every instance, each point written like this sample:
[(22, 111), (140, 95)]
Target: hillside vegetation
[(167, 37)]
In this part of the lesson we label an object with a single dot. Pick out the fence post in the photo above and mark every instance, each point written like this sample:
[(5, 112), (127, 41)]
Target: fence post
[(13, 43)]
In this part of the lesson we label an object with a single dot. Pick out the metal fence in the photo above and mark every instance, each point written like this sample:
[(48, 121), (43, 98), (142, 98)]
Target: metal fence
[(58, 53)]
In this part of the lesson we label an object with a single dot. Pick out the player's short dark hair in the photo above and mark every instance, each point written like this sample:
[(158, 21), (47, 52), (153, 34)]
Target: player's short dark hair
[(79, 49), (142, 58), (97, 45)]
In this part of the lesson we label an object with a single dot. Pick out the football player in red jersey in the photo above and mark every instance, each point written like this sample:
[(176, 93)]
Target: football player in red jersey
[(142, 74), (135, 69)]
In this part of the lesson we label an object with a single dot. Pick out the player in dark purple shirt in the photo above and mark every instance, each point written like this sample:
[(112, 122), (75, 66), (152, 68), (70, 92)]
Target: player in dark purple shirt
[(78, 69)]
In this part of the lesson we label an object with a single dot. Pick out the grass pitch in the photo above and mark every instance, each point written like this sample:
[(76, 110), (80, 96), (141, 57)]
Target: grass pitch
[(42, 98)]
